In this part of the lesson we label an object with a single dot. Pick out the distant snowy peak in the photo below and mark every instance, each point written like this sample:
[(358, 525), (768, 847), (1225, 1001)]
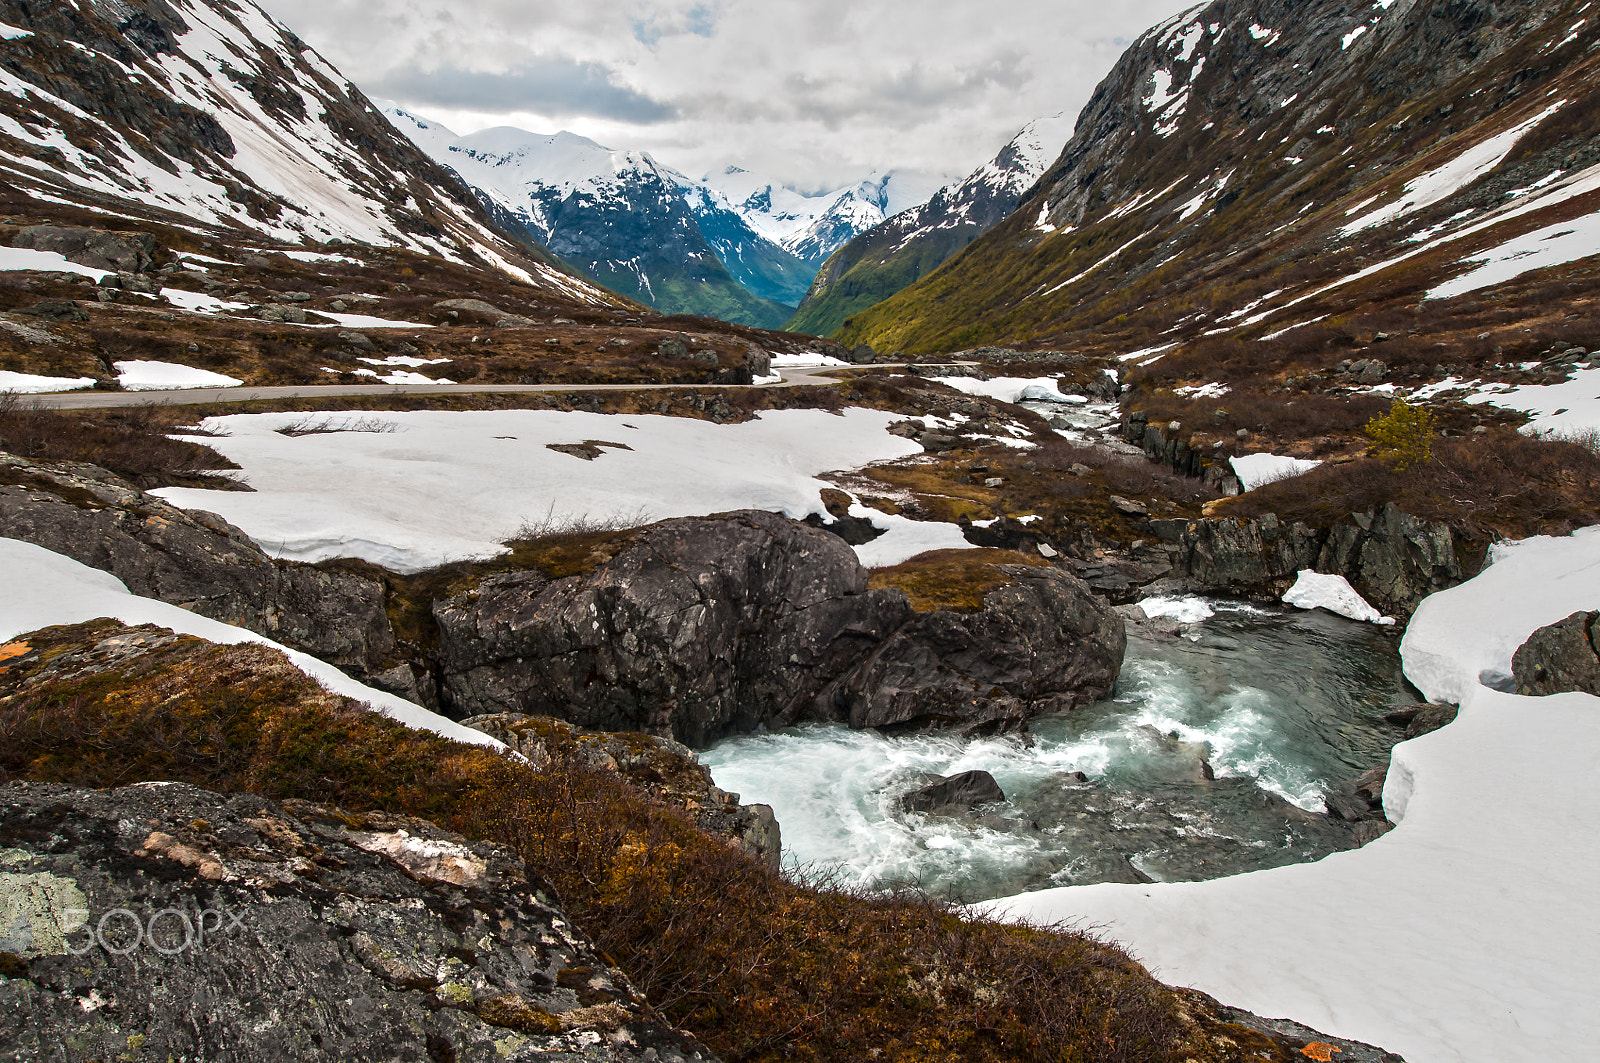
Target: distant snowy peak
[(211, 115), (886, 253), (812, 227)]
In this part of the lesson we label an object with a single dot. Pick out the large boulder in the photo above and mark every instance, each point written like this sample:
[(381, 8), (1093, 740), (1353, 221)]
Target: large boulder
[(709, 626), (954, 794), (698, 628), (1042, 643), (193, 559), (1559, 658), (113, 252), (162, 921)]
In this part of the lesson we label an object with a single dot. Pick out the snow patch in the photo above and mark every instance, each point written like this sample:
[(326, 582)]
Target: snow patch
[(28, 384), (1255, 470), (1314, 590), (1183, 610), (168, 376)]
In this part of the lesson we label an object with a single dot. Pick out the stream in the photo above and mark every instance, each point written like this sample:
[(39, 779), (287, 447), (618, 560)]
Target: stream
[(1279, 704)]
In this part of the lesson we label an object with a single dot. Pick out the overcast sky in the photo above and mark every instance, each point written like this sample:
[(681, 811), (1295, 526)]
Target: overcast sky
[(810, 92)]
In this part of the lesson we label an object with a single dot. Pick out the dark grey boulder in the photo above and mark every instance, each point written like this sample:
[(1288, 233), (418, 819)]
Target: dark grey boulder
[(704, 627), (96, 248), (1559, 658), (192, 559), (956, 793), (1042, 643), (271, 932)]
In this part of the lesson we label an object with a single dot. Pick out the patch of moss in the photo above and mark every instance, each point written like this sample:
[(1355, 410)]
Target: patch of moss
[(955, 580)]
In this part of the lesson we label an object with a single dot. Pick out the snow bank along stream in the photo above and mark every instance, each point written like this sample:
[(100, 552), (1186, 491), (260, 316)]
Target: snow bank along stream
[(1468, 933)]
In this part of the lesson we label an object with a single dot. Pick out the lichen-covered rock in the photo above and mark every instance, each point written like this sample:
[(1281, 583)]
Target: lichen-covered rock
[(1559, 658), (192, 559), (1394, 558), (163, 921), (704, 627)]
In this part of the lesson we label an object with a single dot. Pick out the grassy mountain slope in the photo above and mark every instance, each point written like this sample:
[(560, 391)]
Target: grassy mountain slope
[(1267, 184)]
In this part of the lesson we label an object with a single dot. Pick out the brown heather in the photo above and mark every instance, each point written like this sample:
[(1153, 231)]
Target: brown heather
[(760, 967)]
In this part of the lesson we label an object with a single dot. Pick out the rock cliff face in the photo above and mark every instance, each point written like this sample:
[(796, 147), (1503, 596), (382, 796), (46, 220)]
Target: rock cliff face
[(162, 921), (704, 627), (1394, 559), (193, 559)]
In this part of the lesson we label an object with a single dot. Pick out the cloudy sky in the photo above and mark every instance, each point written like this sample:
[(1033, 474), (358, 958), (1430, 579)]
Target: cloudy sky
[(811, 92)]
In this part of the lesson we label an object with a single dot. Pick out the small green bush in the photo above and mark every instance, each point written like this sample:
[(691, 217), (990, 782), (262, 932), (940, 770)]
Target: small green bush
[(1403, 437)]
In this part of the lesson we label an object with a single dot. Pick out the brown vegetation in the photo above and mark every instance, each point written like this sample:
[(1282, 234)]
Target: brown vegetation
[(956, 580), (761, 968), (130, 442), (1501, 483)]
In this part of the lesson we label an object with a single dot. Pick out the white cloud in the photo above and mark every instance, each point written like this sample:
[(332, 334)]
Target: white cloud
[(812, 93)]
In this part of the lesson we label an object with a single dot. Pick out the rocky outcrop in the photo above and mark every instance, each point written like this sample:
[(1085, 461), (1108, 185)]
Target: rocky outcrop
[(163, 921), (1559, 658), (957, 793), (1042, 643), (96, 248), (668, 771), (1392, 558), (192, 559), (704, 627)]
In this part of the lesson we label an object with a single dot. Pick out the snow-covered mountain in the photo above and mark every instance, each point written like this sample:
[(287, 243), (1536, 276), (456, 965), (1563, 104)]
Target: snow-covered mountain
[(622, 218), (210, 115), (812, 227), (1290, 178), (911, 243)]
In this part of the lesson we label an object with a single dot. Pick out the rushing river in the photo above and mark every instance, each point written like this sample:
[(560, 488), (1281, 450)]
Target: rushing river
[(1279, 705)]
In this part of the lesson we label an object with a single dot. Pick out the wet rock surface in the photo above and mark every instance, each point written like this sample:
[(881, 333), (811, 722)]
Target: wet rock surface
[(958, 793), (165, 921), (704, 627), (192, 559), (1559, 658)]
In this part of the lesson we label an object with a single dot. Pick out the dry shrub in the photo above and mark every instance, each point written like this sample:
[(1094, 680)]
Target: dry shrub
[(955, 580), (1501, 483), (132, 443), (761, 968), (1297, 416)]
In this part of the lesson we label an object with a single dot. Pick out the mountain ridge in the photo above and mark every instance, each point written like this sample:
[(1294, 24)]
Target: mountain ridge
[(913, 243), (1218, 173)]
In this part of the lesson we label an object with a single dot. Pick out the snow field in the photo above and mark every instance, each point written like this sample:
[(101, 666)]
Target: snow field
[(440, 486), (168, 376), (45, 589), (28, 384), (1314, 590), (1465, 934)]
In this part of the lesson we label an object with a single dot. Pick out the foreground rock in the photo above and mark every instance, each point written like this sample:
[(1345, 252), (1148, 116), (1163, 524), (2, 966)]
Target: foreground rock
[(1559, 658), (193, 559), (167, 922), (704, 627)]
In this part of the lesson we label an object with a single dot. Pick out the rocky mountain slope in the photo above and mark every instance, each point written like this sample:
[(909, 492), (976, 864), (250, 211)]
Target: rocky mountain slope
[(213, 117), (913, 243), (622, 218), (1262, 185)]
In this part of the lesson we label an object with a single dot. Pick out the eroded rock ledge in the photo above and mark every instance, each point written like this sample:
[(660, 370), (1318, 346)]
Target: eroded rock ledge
[(289, 931), (704, 627)]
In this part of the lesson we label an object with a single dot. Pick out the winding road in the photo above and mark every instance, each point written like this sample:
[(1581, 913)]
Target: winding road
[(106, 400)]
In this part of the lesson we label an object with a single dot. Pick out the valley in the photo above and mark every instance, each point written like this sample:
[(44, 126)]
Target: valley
[(1132, 602)]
